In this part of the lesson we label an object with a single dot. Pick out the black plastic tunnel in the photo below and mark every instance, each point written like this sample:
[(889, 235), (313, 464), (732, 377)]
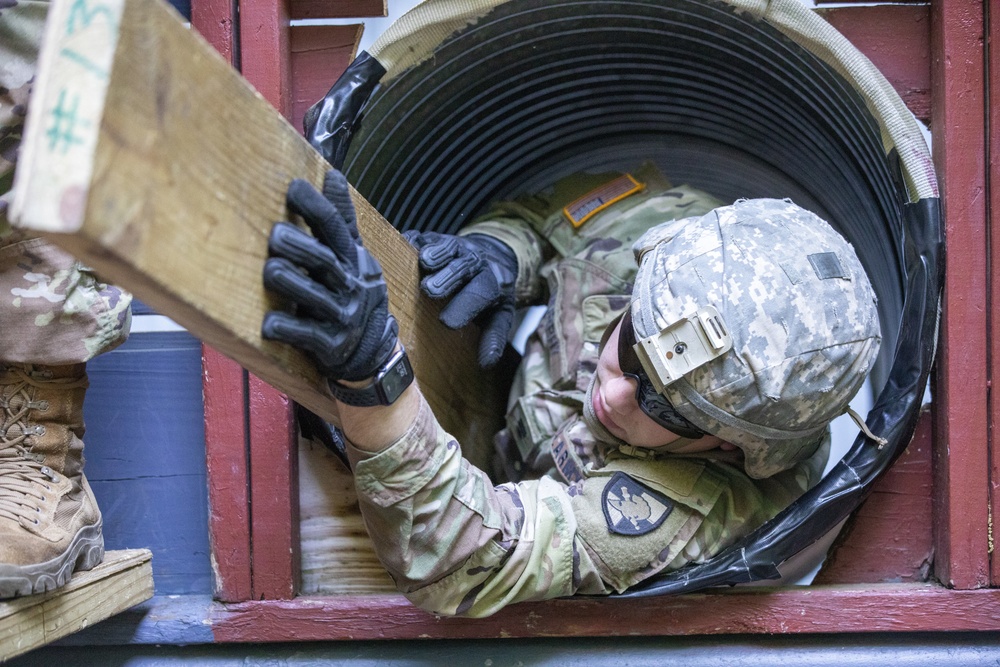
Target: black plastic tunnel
[(454, 110)]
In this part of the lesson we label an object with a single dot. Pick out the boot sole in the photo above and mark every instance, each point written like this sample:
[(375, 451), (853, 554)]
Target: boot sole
[(84, 552)]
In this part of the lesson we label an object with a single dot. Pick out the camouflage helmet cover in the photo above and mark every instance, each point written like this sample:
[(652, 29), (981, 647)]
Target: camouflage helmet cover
[(798, 305)]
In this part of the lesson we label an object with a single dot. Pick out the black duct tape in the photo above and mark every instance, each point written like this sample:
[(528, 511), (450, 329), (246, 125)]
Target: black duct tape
[(719, 100)]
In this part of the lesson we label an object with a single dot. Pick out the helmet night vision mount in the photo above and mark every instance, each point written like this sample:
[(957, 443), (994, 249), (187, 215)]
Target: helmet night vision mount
[(683, 346)]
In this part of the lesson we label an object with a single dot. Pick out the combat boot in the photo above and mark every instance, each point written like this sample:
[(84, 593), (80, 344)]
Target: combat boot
[(50, 524)]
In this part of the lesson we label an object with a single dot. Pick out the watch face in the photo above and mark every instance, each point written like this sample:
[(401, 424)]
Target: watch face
[(396, 378)]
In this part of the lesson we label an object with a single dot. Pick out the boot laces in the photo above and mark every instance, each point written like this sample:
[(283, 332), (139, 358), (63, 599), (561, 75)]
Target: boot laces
[(24, 478)]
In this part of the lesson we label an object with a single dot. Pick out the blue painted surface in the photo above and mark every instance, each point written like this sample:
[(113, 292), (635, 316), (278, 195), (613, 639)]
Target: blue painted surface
[(145, 449), (184, 7), (165, 619)]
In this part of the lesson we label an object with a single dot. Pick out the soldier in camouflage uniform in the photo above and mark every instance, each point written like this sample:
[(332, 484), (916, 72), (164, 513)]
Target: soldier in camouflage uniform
[(54, 317), (602, 494)]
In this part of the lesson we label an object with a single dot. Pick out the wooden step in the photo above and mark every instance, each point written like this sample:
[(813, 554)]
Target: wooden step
[(122, 580)]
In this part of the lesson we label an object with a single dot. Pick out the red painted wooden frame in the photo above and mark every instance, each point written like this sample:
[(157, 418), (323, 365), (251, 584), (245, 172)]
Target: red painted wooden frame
[(250, 435), (962, 468), (962, 474), (337, 9), (993, 204), (817, 609)]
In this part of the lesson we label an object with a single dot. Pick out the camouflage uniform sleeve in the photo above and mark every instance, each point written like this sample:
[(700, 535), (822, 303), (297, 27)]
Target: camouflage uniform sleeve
[(455, 544), (53, 310), (511, 224), (747, 503)]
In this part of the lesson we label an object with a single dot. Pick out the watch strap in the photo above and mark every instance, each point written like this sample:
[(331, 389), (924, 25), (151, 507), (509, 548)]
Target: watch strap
[(359, 397), (390, 380)]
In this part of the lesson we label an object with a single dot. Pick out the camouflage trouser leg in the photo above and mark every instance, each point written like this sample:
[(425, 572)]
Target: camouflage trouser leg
[(52, 310)]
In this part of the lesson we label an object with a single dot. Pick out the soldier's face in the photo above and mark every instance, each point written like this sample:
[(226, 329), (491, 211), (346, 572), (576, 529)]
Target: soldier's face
[(617, 409)]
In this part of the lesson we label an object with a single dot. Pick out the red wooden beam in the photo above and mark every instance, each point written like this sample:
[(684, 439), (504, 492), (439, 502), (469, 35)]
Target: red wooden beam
[(337, 9), (265, 57), (225, 398), (961, 461), (896, 38), (228, 482), (216, 20), (833, 609), (993, 148), (274, 493), (265, 50)]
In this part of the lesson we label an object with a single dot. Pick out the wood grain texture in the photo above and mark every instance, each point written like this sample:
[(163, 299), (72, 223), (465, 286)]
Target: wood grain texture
[(226, 455), (190, 171), (337, 555), (961, 439), (123, 579), (896, 38), (817, 609), (274, 492), (337, 9), (993, 206), (265, 58), (889, 539), (224, 390)]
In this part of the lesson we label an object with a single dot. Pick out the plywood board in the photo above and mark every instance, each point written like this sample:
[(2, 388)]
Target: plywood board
[(123, 579)]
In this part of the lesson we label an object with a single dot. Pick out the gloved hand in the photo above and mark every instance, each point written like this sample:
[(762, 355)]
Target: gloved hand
[(478, 272), (341, 317)]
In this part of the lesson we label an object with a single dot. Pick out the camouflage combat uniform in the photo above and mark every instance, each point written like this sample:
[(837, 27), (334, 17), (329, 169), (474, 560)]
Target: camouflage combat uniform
[(586, 513), (52, 310), (55, 315)]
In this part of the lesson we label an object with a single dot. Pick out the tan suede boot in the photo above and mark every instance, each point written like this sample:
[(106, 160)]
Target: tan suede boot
[(49, 521)]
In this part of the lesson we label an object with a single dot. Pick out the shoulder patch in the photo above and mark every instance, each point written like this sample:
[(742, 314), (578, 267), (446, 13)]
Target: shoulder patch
[(600, 198), (631, 508)]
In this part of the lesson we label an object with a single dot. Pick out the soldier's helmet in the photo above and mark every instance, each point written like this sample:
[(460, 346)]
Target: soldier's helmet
[(758, 323)]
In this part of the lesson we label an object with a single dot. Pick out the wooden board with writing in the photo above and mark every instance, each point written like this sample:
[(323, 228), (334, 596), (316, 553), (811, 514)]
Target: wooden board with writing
[(151, 160)]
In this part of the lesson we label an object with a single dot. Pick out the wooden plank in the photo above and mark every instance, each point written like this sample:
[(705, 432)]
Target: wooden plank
[(892, 608), (172, 195), (226, 456), (337, 554), (896, 38), (993, 148), (796, 610), (961, 459), (889, 539), (337, 9), (123, 579), (319, 54), (223, 387), (265, 59)]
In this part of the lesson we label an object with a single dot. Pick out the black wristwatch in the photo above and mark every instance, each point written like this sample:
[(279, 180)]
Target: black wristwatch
[(390, 380)]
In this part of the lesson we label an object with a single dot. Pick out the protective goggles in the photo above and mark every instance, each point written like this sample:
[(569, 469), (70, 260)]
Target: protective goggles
[(668, 355)]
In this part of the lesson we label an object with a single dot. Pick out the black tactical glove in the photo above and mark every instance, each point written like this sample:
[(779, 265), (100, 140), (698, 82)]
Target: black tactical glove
[(478, 272), (341, 316)]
